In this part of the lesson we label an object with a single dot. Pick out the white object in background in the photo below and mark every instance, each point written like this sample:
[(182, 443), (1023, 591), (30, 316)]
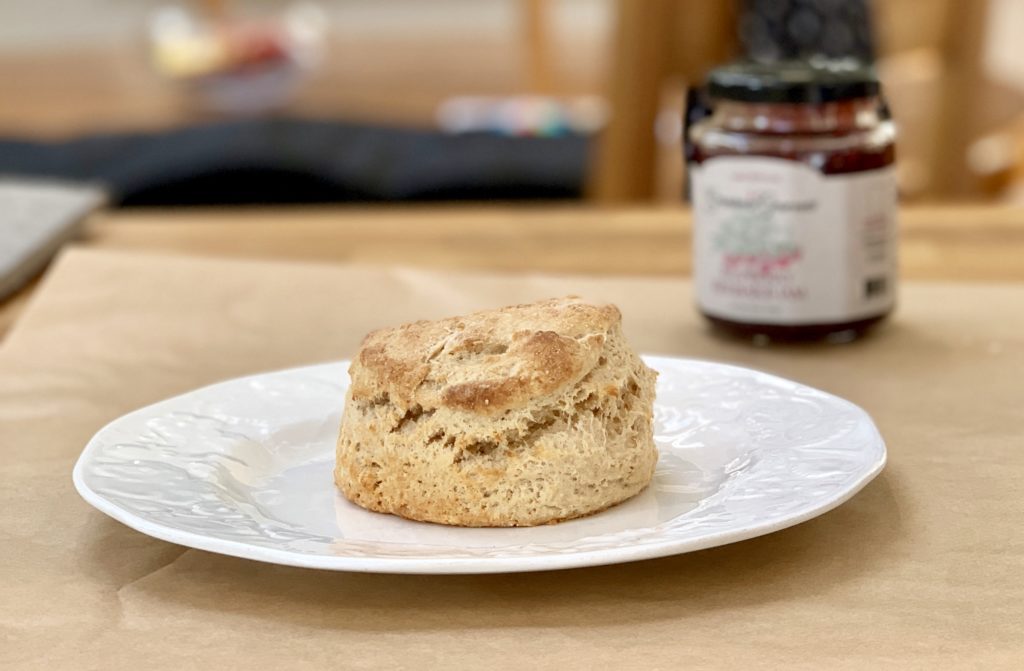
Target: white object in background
[(239, 64), (244, 468), (36, 218), (777, 242)]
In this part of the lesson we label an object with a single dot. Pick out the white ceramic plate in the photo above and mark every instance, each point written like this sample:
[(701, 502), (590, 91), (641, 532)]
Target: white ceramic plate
[(243, 468)]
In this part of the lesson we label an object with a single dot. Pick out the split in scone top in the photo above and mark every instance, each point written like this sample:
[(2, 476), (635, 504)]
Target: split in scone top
[(486, 362)]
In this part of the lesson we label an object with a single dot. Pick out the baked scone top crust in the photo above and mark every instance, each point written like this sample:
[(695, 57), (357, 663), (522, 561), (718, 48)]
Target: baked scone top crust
[(486, 362)]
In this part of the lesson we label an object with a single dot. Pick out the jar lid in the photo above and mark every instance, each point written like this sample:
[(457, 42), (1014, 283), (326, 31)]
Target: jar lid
[(813, 81)]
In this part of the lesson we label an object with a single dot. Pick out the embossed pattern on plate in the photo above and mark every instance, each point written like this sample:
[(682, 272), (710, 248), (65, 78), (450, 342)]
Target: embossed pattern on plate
[(244, 468)]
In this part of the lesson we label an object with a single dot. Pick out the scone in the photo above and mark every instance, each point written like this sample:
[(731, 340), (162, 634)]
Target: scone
[(514, 417)]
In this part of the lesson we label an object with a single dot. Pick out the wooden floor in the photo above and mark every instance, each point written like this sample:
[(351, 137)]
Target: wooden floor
[(61, 93)]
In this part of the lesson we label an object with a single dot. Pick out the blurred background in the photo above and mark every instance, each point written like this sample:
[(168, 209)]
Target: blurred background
[(249, 101)]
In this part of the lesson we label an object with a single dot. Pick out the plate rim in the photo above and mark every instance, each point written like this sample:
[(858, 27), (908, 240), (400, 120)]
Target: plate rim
[(468, 565)]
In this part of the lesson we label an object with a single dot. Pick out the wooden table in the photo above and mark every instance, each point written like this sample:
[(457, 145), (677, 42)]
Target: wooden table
[(972, 243)]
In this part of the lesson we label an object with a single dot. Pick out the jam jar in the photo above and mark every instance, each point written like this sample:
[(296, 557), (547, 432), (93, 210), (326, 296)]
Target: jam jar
[(794, 201)]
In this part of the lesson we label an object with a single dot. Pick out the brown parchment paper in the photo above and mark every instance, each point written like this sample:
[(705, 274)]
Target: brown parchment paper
[(923, 569)]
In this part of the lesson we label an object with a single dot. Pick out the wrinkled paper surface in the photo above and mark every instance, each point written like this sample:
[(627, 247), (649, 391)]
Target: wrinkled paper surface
[(924, 568)]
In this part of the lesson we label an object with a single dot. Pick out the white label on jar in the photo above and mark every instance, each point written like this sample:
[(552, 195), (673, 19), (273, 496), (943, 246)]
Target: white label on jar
[(778, 242)]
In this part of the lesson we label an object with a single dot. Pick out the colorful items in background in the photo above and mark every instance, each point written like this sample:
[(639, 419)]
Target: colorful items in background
[(531, 116)]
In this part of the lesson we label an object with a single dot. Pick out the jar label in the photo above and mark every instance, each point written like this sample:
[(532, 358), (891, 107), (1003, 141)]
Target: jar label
[(778, 242)]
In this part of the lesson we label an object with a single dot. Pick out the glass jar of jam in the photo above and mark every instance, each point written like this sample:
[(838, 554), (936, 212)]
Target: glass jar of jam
[(794, 201)]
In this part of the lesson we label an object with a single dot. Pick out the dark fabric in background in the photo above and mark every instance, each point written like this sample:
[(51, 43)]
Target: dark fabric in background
[(293, 161), (773, 30)]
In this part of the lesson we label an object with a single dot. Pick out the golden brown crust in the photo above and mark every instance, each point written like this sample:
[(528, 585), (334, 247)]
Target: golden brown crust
[(526, 415), (485, 362)]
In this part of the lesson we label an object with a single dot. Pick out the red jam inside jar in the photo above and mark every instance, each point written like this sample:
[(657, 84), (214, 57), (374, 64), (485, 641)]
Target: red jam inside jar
[(794, 199)]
